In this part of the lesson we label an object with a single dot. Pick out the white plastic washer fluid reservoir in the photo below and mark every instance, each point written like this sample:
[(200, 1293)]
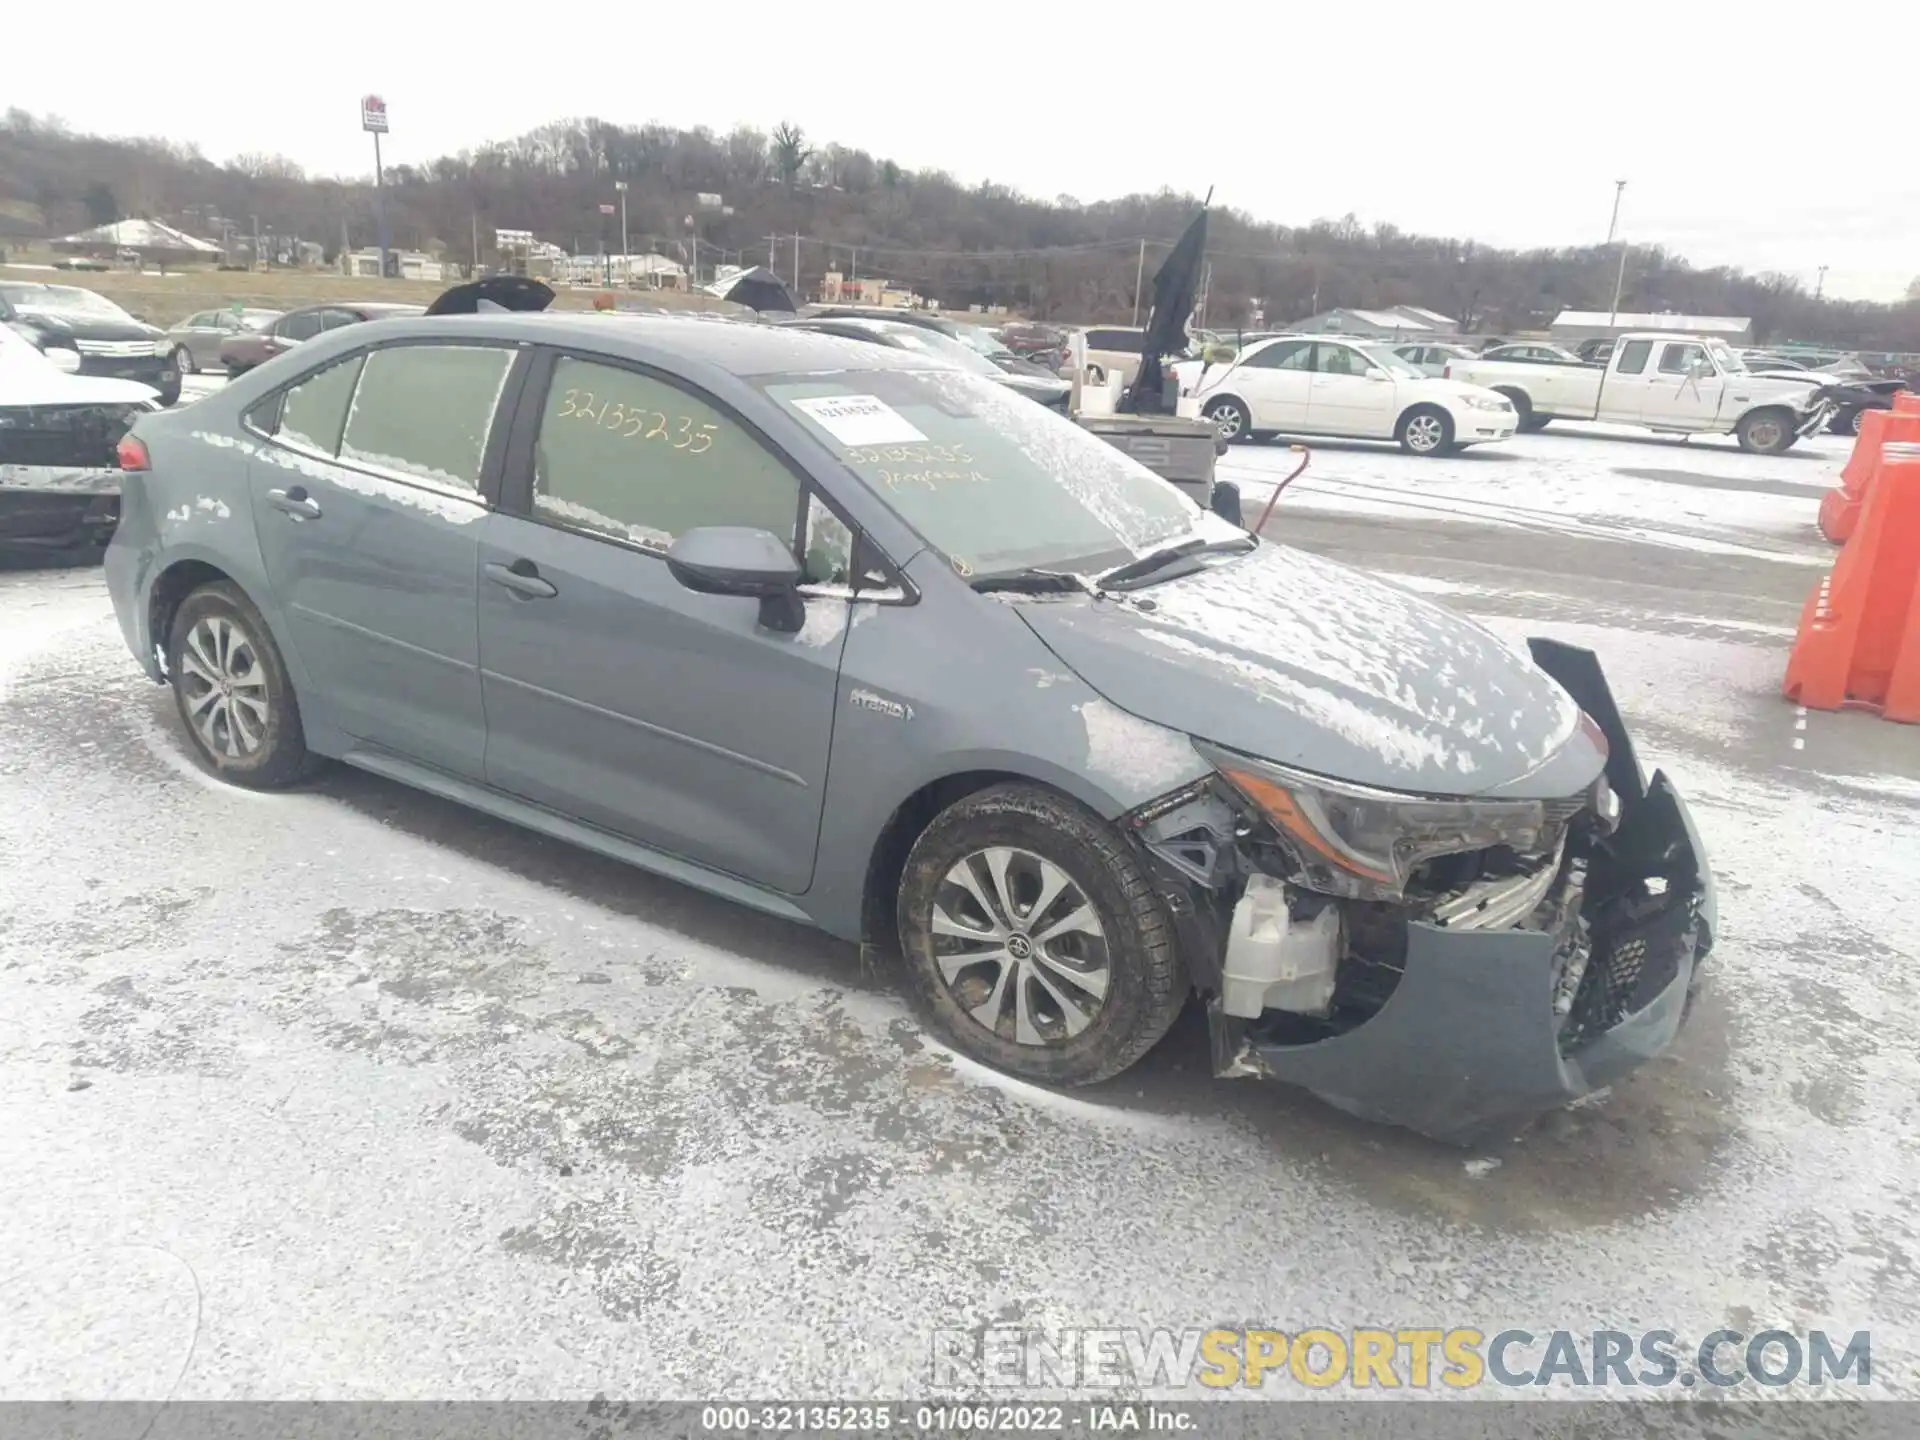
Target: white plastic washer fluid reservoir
[(1275, 962)]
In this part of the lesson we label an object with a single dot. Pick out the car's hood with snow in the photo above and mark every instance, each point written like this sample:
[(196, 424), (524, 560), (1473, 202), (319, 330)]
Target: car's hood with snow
[(1300, 660), (28, 378)]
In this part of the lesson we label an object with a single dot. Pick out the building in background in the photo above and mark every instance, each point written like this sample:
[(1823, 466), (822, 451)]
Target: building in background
[(1393, 322), (838, 289), (1572, 325), (148, 241), (409, 264)]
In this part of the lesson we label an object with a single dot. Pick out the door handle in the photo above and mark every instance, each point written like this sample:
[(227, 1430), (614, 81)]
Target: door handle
[(296, 502), (523, 578)]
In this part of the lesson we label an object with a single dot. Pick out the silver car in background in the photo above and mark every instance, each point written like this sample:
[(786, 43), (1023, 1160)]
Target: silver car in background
[(878, 645), (196, 340)]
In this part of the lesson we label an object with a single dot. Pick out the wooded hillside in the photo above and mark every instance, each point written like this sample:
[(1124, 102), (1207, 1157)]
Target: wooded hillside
[(980, 244)]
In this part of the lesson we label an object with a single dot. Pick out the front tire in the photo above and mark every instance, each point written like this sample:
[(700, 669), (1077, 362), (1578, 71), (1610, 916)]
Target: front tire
[(231, 688), (1766, 432), (184, 362), (1230, 418), (1425, 430), (1033, 940)]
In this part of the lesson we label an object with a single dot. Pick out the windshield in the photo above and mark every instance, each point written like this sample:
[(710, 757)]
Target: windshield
[(989, 479), (1729, 363), (984, 341), (61, 300), (941, 347), (1391, 363)]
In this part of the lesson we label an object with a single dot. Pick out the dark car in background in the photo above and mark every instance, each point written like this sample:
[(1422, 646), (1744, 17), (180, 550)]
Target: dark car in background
[(82, 333), (59, 465), (1049, 390), (196, 340), (240, 352), (977, 338)]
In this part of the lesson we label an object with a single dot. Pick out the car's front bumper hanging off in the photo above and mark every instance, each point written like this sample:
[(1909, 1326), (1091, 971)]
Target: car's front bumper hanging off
[(1479, 1029)]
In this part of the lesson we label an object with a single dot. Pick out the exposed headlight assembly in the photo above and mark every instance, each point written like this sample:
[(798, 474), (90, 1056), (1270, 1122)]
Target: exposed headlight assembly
[(1364, 843)]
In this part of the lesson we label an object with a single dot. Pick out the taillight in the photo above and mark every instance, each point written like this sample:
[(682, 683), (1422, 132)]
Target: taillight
[(131, 452)]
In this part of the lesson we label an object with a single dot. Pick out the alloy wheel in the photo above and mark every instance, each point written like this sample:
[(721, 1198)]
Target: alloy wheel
[(1020, 947), (1766, 434), (1425, 433), (1230, 420), (225, 687), (183, 361)]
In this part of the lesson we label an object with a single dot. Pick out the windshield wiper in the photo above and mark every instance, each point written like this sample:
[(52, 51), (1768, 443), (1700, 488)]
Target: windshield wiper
[(1135, 571), (1032, 582)]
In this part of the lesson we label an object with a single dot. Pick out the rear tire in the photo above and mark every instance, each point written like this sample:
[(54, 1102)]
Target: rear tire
[(1230, 418), (184, 362), (1027, 1012), (1766, 432), (1531, 424), (233, 693), (1425, 430)]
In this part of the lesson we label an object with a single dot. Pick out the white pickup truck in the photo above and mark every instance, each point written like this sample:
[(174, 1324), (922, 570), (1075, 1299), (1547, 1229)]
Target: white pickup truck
[(1676, 384)]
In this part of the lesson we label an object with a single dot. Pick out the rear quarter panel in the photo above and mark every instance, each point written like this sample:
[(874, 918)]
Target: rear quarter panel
[(194, 505)]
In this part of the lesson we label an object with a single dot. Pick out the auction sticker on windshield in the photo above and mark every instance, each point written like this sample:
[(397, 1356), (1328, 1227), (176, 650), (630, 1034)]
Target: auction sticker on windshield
[(858, 419)]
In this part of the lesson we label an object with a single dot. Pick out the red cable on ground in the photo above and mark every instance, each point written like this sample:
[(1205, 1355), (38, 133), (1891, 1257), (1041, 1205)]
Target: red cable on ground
[(1305, 455)]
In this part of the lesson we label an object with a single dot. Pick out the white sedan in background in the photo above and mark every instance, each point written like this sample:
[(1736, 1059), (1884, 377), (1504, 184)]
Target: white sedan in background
[(1298, 385)]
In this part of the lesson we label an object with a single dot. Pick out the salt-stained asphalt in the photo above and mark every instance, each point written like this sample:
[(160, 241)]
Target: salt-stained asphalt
[(351, 1093)]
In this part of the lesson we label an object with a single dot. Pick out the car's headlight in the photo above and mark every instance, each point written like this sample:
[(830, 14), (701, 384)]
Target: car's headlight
[(1487, 402), (1357, 841), (63, 359)]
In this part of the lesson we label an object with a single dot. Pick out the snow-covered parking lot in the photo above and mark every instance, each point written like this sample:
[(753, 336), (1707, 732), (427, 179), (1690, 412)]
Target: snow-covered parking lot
[(349, 1092)]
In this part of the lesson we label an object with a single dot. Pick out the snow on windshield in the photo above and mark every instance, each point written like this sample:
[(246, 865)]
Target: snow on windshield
[(989, 478), (61, 300)]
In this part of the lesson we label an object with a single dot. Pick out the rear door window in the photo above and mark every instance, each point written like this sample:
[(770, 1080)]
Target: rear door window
[(628, 456), (424, 411), (1633, 357), (303, 326), (1287, 355), (314, 412)]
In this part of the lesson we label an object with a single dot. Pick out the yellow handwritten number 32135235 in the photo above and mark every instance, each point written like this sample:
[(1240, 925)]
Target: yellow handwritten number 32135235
[(635, 423)]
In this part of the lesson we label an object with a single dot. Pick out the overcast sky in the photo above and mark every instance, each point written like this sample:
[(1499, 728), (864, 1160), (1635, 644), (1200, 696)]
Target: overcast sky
[(1770, 137)]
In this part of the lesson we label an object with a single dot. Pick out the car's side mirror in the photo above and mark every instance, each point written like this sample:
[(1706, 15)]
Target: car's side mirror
[(1374, 372), (739, 560)]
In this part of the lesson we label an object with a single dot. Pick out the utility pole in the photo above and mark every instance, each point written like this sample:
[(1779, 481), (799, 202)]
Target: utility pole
[(476, 243), (796, 265), (1139, 274), (1620, 276), (626, 244), (772, 264), (1820, 284)]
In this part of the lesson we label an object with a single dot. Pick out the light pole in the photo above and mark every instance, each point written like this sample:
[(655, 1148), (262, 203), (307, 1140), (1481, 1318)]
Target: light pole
[(1620, 275), (626, 250), (1820, 284)]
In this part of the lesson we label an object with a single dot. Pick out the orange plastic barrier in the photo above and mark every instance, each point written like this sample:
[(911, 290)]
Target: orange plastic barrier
[(1859, 640), (1840, 507)]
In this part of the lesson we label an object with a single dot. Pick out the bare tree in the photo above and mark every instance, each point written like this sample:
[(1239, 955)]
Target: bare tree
[(789, 152)]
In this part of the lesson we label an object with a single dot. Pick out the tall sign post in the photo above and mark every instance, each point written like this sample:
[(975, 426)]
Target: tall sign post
[(626, 245), (373, 120)]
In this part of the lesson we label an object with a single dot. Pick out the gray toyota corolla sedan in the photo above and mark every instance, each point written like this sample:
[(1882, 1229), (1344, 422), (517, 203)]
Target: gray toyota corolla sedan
[(879, 646)]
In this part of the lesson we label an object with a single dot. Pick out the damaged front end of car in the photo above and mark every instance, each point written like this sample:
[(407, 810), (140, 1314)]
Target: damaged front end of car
[(1447, 964)]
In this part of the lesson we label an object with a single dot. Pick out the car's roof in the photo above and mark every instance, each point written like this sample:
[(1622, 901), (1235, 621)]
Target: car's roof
[(739, 347), (361, 307)]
